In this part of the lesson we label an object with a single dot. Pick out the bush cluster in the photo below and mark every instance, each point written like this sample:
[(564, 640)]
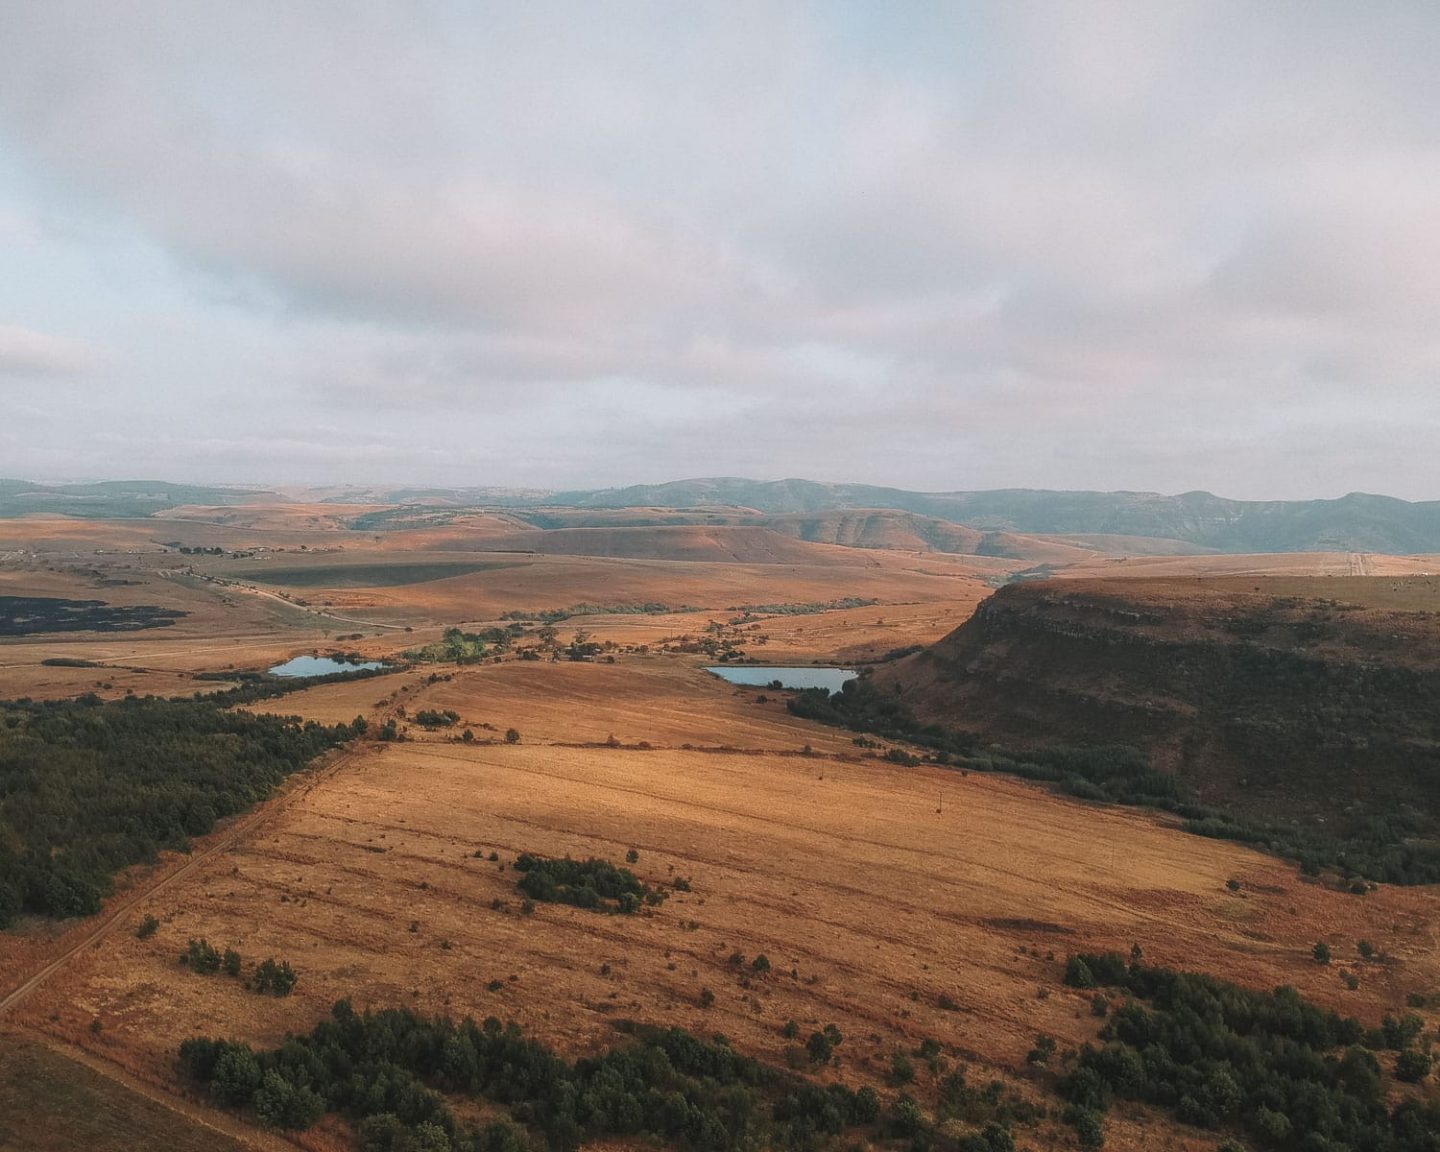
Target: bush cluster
[(390, 1073), (594, 884), (1288, 1074)]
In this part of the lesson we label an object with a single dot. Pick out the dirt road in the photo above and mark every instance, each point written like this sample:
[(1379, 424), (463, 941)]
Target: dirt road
[(107, 921)]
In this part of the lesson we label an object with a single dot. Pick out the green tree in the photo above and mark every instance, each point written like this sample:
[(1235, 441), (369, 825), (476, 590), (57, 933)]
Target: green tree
[(1412, 1066)]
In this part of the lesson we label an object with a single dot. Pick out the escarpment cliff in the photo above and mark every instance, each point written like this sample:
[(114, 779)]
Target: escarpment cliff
[(1308, 701)]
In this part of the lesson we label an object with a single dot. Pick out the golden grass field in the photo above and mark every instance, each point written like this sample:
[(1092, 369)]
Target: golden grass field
[(873, 889)]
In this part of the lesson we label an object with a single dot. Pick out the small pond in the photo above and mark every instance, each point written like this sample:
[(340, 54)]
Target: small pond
[(828, 678), (321, 666)]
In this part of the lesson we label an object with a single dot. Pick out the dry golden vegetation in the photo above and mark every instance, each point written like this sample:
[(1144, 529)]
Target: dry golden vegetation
[(875, 891)]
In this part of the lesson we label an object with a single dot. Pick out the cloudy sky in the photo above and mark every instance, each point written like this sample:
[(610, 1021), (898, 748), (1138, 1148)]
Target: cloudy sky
[(1157, 245)]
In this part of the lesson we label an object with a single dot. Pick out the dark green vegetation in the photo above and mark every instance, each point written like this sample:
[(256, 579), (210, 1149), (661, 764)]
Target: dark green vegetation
[(110, 499), (432, 718), (386, 1072), (461, 647), (370, 575), (274, 979), (405, 518), (593, 884), (812, 609), (33, 615), (270, 978), (255, 686), (1269, 1064), (51, 1104), (556, 615), (1383, 849), (89, 788), (1300, 723)]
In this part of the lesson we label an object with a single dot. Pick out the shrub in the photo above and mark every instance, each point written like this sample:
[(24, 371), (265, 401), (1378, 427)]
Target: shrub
[(1078, 974), (819, 1048), (1042, 1052), (1412, 1066), (1285, 1071), (272, 979), (148, 927), (593, 884), (1089, 1127), (200, 957), (1321, 952), (231, 962), (512, 736)]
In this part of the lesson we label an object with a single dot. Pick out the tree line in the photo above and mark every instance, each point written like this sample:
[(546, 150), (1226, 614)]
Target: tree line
[(1270, 1065), (89, 788)]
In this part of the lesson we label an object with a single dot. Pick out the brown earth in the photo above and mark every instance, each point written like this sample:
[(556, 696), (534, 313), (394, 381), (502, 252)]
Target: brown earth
[(873, 889)]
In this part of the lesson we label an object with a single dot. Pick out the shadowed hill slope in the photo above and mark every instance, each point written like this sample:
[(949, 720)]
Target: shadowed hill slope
[(1315, 701)]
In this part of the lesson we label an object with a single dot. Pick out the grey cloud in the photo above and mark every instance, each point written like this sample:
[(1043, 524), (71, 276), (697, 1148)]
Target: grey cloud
[(1034, 242), (29, 355)]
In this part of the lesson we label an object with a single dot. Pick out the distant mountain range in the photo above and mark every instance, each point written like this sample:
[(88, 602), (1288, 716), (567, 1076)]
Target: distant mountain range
[(1353, 523)]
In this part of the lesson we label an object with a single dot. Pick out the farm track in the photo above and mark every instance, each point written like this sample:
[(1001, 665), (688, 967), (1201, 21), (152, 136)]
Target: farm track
[(109, 920)]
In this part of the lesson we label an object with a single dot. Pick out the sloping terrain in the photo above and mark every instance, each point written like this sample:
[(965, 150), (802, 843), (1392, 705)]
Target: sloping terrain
[(1316, 700), (1356, 523), (733, 545), (943, 521)]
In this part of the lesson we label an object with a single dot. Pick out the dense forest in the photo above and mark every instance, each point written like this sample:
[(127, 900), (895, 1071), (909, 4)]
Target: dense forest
[(391, 1072), (1271, 1065), (88, 788)]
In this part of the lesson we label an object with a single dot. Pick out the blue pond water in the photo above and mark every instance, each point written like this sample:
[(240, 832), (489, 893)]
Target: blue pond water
[(828, 678), (321, 666)]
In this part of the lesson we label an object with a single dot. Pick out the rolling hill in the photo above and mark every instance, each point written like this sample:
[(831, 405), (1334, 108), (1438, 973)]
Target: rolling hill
[(1309, 701), (980, 523)]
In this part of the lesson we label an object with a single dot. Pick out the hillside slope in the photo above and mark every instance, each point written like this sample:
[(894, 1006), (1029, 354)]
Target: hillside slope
[(1316, 701), (728, 545), (1355, 523)]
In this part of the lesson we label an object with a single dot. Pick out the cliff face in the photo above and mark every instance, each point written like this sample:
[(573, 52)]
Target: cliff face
[(1303, 707)]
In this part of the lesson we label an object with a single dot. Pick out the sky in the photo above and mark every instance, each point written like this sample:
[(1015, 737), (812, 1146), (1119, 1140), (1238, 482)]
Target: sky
[(1157, 245)]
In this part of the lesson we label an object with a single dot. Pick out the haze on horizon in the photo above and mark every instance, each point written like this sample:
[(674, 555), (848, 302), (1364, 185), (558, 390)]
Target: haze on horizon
[(936, 246)]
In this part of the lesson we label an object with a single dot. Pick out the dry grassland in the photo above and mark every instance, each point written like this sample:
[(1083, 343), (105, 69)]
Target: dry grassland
[(874, 890), (49, 1103), (869, 900)]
